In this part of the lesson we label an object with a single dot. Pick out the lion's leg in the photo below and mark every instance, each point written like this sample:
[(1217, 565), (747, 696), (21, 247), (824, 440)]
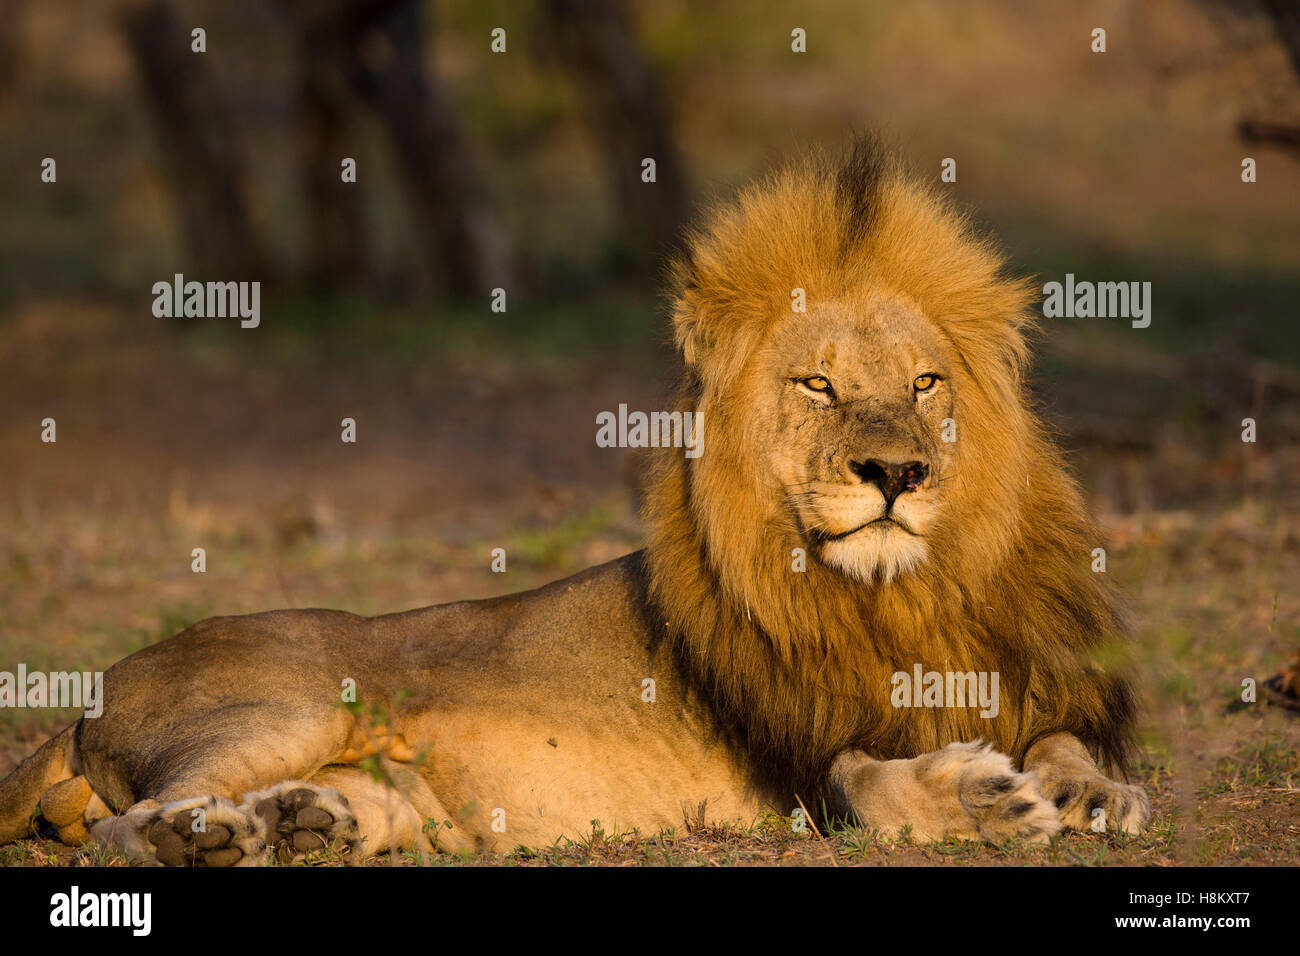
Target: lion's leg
[(1085, 797), (223, 770), (197, 831), (291, 817), (187, 816), (403, 815), (968, 791), (296, 817)]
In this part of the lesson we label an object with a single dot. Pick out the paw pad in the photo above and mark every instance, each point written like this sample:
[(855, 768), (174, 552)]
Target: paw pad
[(177, 843), (303, 820)]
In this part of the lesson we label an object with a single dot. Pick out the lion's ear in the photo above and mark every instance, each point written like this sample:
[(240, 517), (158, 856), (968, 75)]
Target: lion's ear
[(713, 334), (714, 338), (688, 326), (688, 329)]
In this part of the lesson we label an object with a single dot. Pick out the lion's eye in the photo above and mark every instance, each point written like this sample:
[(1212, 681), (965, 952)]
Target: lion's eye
[(816, 383), (923, 383)]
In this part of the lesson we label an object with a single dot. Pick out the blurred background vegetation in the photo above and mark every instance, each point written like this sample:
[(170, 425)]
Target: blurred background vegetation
[(1129, 158), (522, 170)]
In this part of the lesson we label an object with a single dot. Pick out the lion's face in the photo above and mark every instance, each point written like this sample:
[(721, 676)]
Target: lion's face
[(855, 427)]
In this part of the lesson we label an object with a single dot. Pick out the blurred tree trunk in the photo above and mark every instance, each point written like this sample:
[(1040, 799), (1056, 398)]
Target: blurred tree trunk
[(1285, 15), (1286, 20), (334, 236), (207, 172), (385, 67), (627, 111), (334, 231), (11, 24)]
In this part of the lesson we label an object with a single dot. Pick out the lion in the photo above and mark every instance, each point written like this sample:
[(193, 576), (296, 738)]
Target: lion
[(876, 501)]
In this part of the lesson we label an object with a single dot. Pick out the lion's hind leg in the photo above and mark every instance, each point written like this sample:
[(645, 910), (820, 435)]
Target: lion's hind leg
[(199, 831), (291, 819), (966, 790)]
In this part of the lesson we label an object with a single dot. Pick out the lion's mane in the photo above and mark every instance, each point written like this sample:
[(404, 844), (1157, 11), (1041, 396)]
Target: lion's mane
[(798, 665)]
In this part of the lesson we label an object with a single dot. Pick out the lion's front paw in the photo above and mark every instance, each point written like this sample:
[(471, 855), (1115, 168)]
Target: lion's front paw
[(969, 791), (204, 831), (1003, 802), (1092, 801), (298, 818)]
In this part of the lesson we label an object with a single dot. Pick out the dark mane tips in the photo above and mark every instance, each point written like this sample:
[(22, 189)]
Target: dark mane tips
[(859, 177)]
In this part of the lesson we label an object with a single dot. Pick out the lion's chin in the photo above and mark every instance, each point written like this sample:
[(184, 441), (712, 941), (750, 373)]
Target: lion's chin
[(875, 554)]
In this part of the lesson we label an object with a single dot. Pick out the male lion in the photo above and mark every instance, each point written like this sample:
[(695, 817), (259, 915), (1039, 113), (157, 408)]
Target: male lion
[(875, 498)]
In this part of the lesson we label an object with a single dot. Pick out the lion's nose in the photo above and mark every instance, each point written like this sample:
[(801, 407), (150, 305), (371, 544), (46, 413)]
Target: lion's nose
[(890, 477)]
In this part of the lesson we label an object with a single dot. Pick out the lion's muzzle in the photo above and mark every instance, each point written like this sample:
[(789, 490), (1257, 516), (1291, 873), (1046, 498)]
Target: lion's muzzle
[(893, 479)]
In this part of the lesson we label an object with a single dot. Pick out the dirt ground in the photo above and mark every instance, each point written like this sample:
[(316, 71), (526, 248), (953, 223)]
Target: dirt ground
[(167, 442)]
